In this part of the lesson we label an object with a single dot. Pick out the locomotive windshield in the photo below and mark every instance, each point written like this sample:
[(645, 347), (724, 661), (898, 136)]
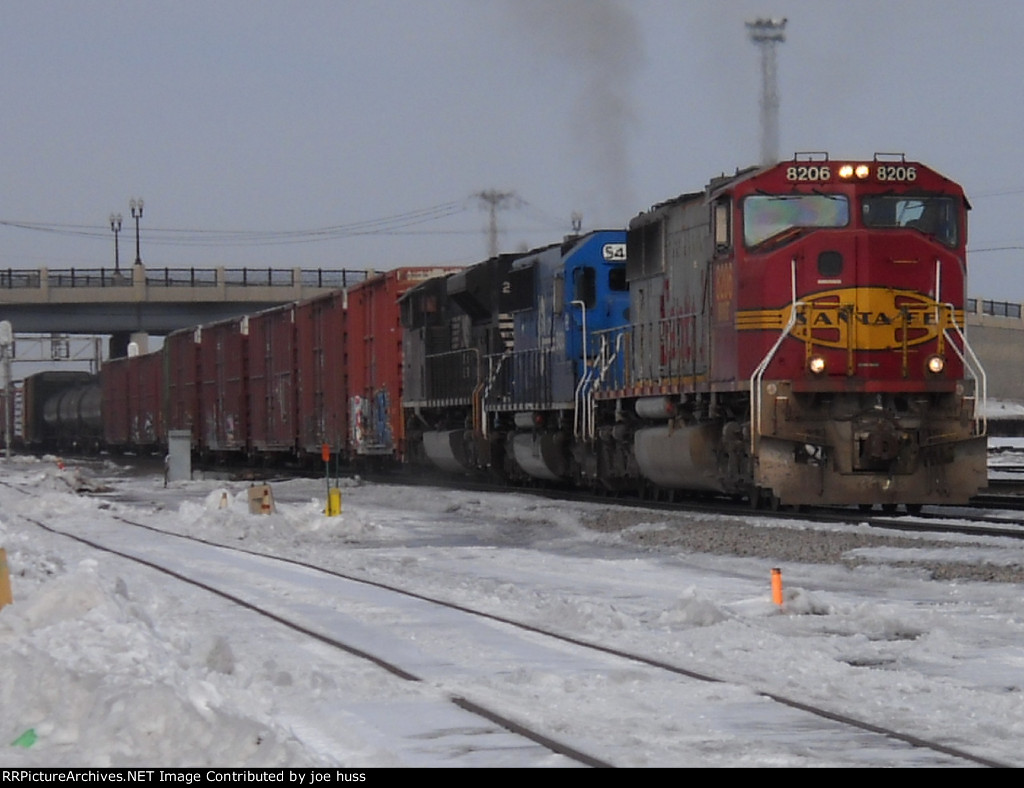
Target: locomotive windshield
[(772, 217), (937, 217)]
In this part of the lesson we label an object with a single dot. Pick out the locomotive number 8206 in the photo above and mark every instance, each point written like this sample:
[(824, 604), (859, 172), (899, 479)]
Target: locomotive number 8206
[(896, 172), (809, 172)]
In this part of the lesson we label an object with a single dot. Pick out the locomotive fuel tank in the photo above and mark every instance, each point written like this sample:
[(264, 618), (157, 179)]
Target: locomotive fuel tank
[(445, 449), (678, 457), (541, 455)]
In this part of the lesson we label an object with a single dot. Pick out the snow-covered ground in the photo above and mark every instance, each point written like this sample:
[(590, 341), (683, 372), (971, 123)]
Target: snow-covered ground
[(107, 663)]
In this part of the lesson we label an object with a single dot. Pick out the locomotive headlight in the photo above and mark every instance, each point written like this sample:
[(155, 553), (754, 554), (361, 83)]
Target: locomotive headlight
[(860, 171), (816, 365), (936, 364)]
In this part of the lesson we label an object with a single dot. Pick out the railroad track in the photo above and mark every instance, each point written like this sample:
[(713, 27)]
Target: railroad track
[(221, 570)]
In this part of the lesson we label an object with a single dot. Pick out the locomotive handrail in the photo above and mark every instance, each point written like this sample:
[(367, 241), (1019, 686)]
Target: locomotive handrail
[(975, 368), (758, 374), (756, 378), (584, 403), (605, 363), (481, 391)]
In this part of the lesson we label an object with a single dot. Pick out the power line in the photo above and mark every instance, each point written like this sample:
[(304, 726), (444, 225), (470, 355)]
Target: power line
[(199, 237), (413, 222)]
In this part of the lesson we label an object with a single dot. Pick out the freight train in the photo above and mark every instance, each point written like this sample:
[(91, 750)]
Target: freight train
[(790, 334)]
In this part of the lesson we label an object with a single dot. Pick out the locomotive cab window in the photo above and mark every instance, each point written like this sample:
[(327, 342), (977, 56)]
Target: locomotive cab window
[(936, 217), (781, 217), (585, 286)]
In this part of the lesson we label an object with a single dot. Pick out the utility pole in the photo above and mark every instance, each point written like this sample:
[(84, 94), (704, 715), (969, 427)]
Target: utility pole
[(768, 34), (493, 200)]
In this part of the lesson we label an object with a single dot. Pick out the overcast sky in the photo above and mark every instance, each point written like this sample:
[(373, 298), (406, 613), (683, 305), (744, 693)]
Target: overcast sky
[(355, 133)]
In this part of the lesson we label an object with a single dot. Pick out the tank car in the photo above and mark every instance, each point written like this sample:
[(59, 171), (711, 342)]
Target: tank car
[(797, 337), (61, 409)]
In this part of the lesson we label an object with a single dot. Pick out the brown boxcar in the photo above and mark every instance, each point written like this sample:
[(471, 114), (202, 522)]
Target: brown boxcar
[(133, 397), (223, 391), (116, 410), (146, 401), (321, 374), (272, 375), (181, 360)]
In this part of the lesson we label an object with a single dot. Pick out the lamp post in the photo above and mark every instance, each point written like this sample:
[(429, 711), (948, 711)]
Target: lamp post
[(115, 225), (135, 206), (7, 351)]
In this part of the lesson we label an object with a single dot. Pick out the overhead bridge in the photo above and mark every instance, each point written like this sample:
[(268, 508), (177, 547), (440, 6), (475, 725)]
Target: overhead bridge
[(135, 302), (152, 301)]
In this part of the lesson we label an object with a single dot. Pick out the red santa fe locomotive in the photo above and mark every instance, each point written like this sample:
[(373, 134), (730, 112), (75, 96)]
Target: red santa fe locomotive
[(797, 336)]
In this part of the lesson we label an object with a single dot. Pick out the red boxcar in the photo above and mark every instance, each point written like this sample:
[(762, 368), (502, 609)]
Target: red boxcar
[(223, 391), (146, 395), (116, 410), (134, 387), (272, 376), (181, 363), (374, 361), (321, 373)]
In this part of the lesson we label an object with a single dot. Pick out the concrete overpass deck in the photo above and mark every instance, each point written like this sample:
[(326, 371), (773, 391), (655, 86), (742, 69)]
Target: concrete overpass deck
[(152, 301)]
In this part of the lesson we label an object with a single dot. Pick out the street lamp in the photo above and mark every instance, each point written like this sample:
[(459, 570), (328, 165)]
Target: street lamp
[(7, 352), (136, 208), (115, 225)]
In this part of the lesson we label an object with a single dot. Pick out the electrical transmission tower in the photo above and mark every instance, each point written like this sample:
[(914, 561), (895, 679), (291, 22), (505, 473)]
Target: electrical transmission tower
[(767, 34), (493, 200)]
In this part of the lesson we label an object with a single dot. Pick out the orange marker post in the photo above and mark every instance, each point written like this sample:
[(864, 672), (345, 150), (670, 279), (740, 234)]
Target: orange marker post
[(5, 580), (777, 586)]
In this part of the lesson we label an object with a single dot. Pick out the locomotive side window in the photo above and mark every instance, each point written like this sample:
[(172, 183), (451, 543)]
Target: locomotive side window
[(775, 217), (938, 217), (723, 228)]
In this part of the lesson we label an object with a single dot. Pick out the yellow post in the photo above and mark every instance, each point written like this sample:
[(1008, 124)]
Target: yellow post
[(333, 502), (777, 586), (5, 580)]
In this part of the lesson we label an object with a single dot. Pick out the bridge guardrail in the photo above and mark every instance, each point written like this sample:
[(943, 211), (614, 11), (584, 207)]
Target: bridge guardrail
[(182, 277), (89, 277), (10, 279)]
